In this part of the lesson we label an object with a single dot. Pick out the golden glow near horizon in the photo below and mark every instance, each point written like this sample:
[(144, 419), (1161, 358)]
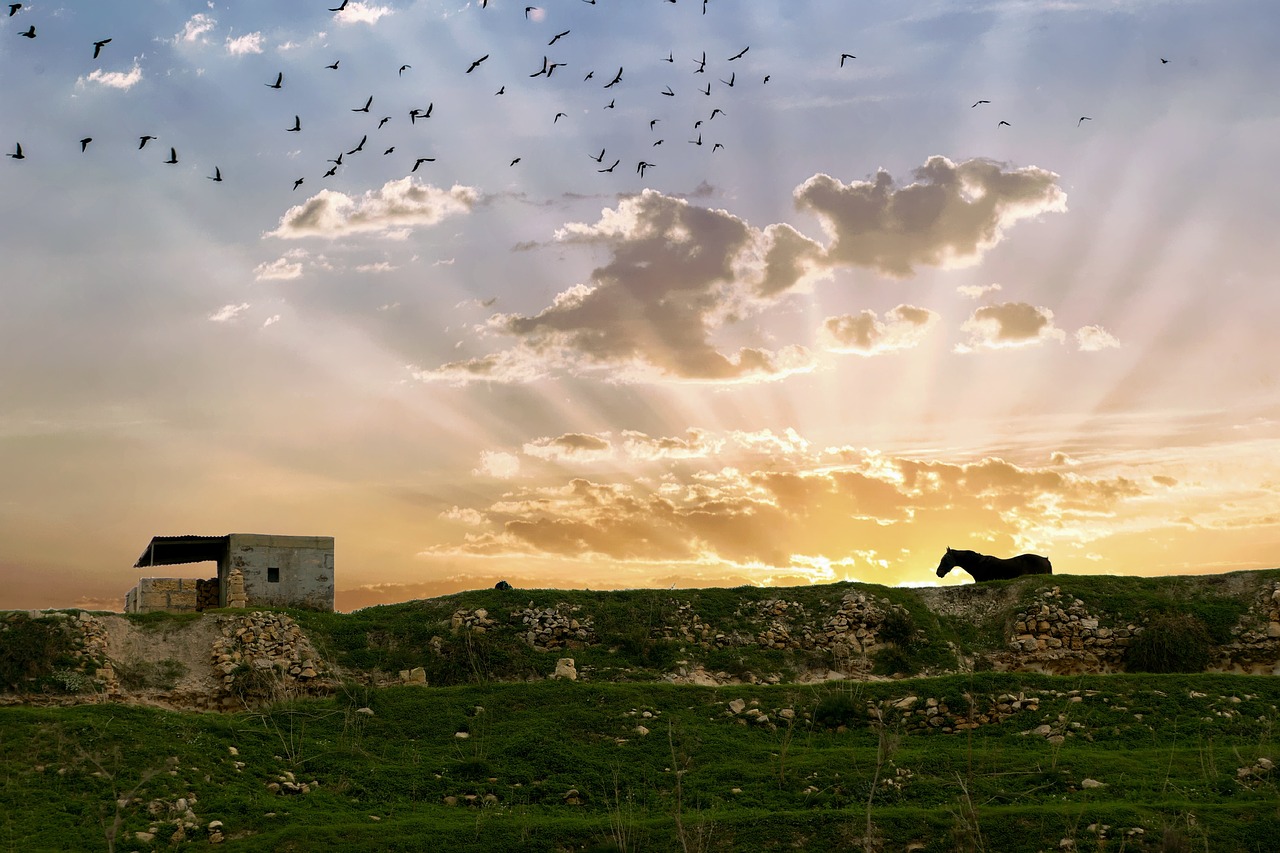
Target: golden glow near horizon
[(873, 323)]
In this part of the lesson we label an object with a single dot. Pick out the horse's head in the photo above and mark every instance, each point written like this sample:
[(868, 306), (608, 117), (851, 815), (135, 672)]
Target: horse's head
[(947, 563)]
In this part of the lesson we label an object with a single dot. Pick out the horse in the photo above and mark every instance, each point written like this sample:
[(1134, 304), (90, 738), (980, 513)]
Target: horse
[(985, 568)]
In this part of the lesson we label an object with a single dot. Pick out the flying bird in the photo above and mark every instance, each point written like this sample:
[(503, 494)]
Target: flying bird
[(359, 147), (590, 74), (278, 83), (84, 143), (610, 106), (715, 111), (298, 182), (501, 91), (975, 103), (403, 68), (1004, 124), (17, 153), (766, 78), (383, 121), (341, 6), (697, 141), (476, 63), (527, 10), (653, 122), (513, 162), (702, 64), (667, 91), (13, 9), (333, 170), (610, 169), (173, 156), (97, 47), (707, 91), (739, 54), (334, 66), (656, 144), (598, 158), (543, 70), (388, 151), (30, 32), (1163, 61), (557, 118), (1082, 120), (845, 56), (420, 161), (641, 166), (143, 140), (297, 125), (337, 162), (557, 37), (716, 147), (616, 78), (671, 57), (217, 175), (729, 82)]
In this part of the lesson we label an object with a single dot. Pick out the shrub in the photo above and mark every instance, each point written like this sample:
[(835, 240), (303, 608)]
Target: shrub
[(897, 627), (891, 660), (32, 649), (838, 709), (1171, 642)]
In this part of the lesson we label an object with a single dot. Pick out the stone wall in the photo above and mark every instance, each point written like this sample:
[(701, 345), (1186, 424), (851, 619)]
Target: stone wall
[(168, 595), (266, 656)]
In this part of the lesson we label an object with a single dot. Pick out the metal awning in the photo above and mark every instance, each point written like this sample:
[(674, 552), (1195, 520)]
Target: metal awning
[(169, 550)]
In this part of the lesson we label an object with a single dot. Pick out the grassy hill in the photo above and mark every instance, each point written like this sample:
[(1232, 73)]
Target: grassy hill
[(494, 755)]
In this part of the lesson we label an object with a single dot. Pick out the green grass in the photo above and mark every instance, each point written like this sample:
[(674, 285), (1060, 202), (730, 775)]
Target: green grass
[(1168, 757)]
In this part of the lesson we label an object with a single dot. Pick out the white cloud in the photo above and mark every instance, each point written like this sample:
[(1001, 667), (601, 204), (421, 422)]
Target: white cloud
[(113, 79), (250, 43), (195, 28), (1009, 324), (977, 291), (864, 333), (380, 266), (362, 13), (227, 313), (498, 464), (281, 269), (397, 204), (1094, 338), (571, 447), (271, 321)]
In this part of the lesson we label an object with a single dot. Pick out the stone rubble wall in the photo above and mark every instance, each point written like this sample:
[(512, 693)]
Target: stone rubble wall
[(272, 647)]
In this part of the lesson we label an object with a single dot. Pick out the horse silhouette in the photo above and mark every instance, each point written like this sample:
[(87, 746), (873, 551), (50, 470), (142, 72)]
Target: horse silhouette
[(986, 568)]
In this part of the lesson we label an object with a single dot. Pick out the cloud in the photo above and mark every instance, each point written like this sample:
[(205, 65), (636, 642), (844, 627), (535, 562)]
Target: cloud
[(281, 269), (950, 216), (250, 43), (863, 510), (1009, 324), (227, 313), (694, 444), (271, 321), (397, 204), (195, 28), (903, 327), (1094, 338), (975, 291), (497, 464), (677, 273), (113, 79), (362, 13), (571, 447), (380, 266)]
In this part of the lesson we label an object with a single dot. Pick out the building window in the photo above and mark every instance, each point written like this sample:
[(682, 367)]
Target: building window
[(273, 574)]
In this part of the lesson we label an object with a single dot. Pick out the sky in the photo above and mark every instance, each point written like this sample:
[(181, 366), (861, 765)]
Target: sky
[(638, 293)]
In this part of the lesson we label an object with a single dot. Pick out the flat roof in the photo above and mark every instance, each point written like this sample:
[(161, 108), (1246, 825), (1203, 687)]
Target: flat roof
[(170, 550)]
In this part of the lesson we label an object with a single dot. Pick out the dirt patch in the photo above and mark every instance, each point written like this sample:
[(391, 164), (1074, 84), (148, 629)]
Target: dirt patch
[(152, 649)]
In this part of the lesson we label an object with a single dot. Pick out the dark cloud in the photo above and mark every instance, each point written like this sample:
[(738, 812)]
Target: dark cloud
[(949, 217), (865, 334)]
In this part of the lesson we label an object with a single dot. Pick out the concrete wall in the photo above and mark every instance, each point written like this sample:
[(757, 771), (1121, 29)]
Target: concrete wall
[(303, 564), (172, 595)]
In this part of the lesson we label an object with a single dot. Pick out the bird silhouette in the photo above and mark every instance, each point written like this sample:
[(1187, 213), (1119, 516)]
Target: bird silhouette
[(365, 108), (599, 158), (420, 161), (97, 47), (527, 10), (975, 103), (766, 78), (542, 70), (667, 91), (388, 151), (845, 56), (383, 121), (337, 162), (610, 105), (641, 166), (334, 66), (653, 122), (706, 91), (1004, 124), (671, 57), (297, 125), (1164, 61), (359, 147), (616, 78), (716, 111), (702, 64), (590, 74), (557, 37), (298, 182), (610, 169), (739, 54), (697, 141), (13, 9), (403, 68), (476, 63), (173, 156), (341, 6), (1082, 120), (217, 175), (557, 118), (729, 82), (656, 144), (513, 162), (84, 143), (333, 170), (17, 153), (30, 32), (143, 140), (716, 147), (502, 90), (279, 81)]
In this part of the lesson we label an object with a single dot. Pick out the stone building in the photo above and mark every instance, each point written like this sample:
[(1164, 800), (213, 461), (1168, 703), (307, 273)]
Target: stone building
[(277, 571)]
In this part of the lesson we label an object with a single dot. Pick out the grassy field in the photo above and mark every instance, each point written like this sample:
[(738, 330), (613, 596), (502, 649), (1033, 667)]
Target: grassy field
[(1117, 762)]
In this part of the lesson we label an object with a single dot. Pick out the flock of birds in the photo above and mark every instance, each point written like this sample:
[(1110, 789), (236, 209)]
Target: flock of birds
[(611, 83)]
